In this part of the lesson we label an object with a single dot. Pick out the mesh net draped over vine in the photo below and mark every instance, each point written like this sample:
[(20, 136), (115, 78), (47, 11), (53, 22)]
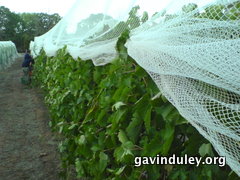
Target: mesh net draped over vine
[(8, 53), (190, 48)]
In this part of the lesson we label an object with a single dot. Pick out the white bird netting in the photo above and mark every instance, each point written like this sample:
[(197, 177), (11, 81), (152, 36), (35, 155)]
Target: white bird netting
[(8, 53), (190, 48)]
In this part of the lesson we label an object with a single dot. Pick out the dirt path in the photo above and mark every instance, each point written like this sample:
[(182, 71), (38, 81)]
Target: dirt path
[(28, 150)]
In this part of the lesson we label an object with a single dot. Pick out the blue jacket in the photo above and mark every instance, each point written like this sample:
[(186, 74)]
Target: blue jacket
[(27, 60)]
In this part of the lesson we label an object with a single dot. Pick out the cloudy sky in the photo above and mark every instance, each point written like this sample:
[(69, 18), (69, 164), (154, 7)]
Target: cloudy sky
[(47, 6), (113, 7)]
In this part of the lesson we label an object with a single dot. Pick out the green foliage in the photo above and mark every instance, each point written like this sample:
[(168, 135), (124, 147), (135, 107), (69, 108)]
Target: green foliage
[(189, 7), (110, 114), (133, 20), (11, 26), (214, 12), (144, 17), (22, 28)]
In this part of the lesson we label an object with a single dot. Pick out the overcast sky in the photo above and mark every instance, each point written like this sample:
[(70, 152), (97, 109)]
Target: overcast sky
[(115, 7), (47, 6), (54, 6)]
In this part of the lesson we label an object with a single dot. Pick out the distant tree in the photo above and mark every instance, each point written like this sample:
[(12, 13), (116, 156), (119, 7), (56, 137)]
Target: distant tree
[(22, 28), (4, 20), (46, 22), (10, 24), (39, 23)]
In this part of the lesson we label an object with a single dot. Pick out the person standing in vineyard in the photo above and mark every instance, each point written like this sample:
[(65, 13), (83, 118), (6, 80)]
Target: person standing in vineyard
[(27, 66)]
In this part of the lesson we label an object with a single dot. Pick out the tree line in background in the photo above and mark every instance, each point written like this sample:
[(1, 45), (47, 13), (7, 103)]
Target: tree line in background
[(21, 28)]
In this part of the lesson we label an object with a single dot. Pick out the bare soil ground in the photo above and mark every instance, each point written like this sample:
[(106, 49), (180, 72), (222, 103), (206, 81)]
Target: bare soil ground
[(28, 149)]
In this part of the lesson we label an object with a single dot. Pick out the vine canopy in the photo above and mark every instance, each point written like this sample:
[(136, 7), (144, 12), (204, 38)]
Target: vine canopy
[(191, 49)]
